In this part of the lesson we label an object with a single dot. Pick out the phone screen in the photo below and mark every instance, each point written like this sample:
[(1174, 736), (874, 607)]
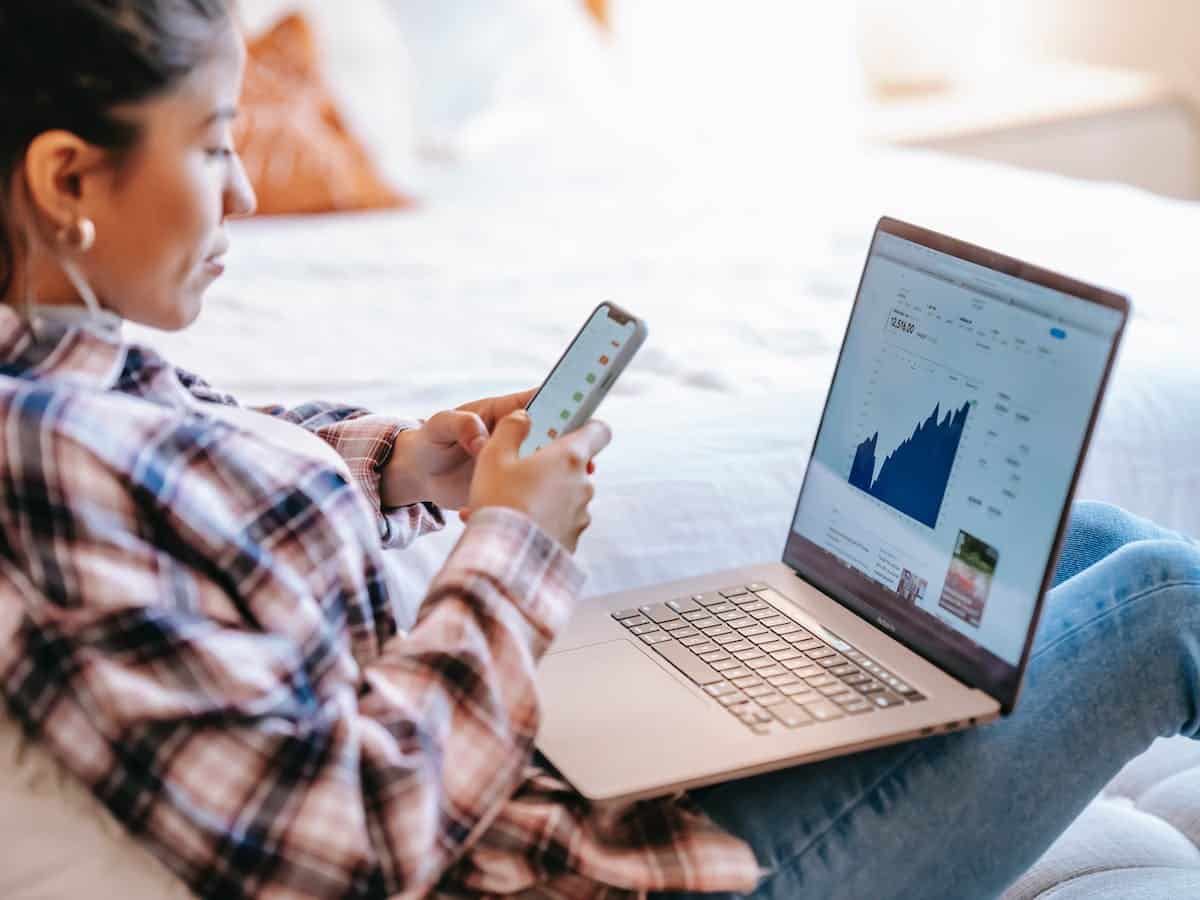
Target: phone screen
[(579, 374)]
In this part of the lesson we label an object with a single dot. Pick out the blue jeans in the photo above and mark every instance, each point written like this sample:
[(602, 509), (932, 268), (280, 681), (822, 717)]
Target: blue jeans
[(1116, 665)]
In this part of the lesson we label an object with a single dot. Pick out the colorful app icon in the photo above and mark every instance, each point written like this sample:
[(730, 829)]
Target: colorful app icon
[(616, 344), (604, 360), (578, 396), (565, 414), (553, 432), (591, 379)]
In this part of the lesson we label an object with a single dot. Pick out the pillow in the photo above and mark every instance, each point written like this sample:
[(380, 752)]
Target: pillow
[(298, 151), (486, 71)]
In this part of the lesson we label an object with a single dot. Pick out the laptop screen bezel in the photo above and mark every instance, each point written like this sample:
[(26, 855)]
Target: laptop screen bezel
[(854, 590)]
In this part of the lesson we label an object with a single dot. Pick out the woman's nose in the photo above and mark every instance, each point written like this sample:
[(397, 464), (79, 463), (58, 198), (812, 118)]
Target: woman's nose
[(240, 200)]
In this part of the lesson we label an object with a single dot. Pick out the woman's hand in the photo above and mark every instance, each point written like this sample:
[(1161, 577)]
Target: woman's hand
[(551, 486), (437, 461)]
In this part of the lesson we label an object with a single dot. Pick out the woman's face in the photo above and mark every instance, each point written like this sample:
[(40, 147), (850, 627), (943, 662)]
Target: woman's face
[(160, 215)]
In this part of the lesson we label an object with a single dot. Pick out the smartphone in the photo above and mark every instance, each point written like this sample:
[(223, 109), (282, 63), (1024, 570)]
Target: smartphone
[(576, 385)]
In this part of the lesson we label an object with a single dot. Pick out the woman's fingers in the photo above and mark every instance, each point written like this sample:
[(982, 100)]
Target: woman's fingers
[(456, 426)]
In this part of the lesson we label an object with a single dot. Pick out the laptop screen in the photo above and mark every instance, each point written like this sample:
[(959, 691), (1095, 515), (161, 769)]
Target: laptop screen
[(949, 447)]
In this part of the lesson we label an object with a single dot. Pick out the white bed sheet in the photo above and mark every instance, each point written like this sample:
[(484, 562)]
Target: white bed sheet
[(744, 265)]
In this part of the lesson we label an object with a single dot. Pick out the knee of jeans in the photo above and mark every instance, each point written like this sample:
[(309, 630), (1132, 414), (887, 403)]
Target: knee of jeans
[(1151, 564), (1102, 522)]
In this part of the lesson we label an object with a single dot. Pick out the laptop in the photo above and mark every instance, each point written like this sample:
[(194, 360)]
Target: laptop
[(914, 569)]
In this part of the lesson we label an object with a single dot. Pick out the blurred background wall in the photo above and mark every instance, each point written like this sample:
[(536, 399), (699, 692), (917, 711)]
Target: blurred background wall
[(1099, 89)]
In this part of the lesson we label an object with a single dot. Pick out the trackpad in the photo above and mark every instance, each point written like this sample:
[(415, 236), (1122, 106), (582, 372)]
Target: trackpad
[(611, 694)]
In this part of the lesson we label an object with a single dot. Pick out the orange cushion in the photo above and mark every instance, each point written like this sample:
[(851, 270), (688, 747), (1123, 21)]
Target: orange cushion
[(297, 150)]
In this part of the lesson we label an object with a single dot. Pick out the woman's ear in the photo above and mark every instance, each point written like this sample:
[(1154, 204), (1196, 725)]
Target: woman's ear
[(56, 167)]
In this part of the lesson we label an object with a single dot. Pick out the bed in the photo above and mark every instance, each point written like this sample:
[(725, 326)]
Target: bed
[(744, 264), (745, 273)]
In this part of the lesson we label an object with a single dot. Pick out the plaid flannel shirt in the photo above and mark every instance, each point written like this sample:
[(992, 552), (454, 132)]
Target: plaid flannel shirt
[(200, 626)]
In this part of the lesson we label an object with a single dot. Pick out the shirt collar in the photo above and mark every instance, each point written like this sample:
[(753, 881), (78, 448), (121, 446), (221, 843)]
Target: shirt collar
[(65, 344)]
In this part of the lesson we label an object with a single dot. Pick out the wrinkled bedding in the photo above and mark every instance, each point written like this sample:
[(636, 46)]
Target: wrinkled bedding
[(745, 270)]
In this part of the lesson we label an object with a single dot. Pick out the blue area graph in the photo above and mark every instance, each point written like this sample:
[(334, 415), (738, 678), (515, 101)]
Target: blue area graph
[(914, 477)]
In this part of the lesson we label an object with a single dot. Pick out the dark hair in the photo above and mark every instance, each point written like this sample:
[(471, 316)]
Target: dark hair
[(67, 64)]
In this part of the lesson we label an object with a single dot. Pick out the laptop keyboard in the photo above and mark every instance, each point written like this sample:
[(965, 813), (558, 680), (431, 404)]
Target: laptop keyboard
[(740, 646)]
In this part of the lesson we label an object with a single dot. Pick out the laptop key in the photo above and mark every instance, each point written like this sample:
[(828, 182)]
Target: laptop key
[(794, 690), (771, 671), (717, 688), (801, 667), (707, 647), (692, 666), (726, 640), (718, 629), (756, 587), (659, 612), (788, 627), (765, 638), (634, 621), (645, 629), (885, 700), (677, 626), (823, 710), (739, 645), (841, 670), (684, 605), (758, 606), (698, 617), (775, 620), (829, 662), (780, 680), (693, 640), (711, 598), (763, 662), (857, 707), (738, 621), (732, 699), (785, 655), (747, 681), (819, 653), (727, 666), (715, 656), (769, 700), (681, 633), (657, 637), (791, 715), (821, 680), (835, 690), (735, 591), (734, 615), (748, 655), (775, 646), (622, 614)]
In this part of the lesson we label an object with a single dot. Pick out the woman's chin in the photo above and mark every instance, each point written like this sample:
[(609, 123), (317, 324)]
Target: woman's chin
[(176, 314)]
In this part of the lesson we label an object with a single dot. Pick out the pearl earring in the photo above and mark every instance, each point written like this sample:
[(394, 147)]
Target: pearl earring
[(80, 235)]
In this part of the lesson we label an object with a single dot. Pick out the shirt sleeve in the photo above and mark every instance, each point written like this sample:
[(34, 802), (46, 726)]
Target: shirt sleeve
[(181, 648), (365, 441)]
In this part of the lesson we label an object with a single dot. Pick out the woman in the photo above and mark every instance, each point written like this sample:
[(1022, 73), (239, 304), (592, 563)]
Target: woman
[(195, 617)]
